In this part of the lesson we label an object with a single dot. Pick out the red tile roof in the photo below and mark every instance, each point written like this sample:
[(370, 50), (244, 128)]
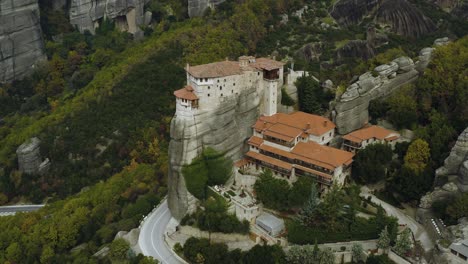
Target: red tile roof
[(215, 69), (186, 93), (256, 141), (241, 163), (228, 68), (291, 124), (269, 160), (371, 132)]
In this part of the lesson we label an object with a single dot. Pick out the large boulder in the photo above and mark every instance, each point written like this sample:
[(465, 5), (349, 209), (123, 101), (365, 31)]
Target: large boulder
[(29, 156), (127, 14), (439, 193), (21, 43)]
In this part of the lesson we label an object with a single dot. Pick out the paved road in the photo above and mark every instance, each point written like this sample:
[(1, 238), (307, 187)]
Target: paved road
[(151, 239), (418, 230), (12, 209)]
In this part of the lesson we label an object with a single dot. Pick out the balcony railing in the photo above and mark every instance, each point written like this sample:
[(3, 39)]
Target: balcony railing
[(318, 178)]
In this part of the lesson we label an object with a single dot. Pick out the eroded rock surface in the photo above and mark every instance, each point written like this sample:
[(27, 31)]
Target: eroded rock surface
[(224, 129), (457, 162), (127, 14), (21, 44), (351, 109), (399, 15), (198, 7)]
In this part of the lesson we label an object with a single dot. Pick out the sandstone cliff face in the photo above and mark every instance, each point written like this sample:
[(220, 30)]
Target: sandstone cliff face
[(224, 129), (402, 17), (351, 110), (457, 162), (198, 7), (128, 14), (21, 44)]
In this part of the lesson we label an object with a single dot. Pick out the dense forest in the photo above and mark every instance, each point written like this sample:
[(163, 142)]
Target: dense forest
[(102, 105)]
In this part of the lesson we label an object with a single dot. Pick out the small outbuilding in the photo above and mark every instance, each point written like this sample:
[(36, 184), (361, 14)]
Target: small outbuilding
[(270, 223), (460, 249)]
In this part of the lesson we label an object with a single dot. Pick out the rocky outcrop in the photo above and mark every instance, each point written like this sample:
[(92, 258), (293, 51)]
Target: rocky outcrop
[(399, 15), (198, 7), (404, 18), (355, 49), (21, 44), (310, 51), (457, 162), (439, 193), (224, 129), (29, 156), (127, 14), (351, 109)]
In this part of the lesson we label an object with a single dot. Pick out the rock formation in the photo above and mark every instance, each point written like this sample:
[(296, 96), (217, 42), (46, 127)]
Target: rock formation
[(224, 129), (310, 51), (29, 156), (402, 17), (351, 109), (457, 162), (355, 49), (127, 14), (439, 193), (21, 44), (198, 7)]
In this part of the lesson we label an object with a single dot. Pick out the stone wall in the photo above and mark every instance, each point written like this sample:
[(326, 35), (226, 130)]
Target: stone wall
[(128, 14), (21, 44), (457, 162), (225, 129)]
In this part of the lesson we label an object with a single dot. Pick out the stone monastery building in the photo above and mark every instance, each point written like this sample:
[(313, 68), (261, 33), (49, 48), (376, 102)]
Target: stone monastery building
[(295, 145), (359, 139), (290, 145), (210, 85)]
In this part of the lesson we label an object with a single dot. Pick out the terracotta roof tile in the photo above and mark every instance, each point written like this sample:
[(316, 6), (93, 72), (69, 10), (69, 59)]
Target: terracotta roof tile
[(256, 141), (186, 93), (266, 64), (215, 69), (241, 163), (314, 153), (269, 160), (328, 176), (371, 132)]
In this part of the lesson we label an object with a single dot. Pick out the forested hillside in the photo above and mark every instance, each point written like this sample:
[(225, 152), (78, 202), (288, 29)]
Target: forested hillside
[(102, 106)]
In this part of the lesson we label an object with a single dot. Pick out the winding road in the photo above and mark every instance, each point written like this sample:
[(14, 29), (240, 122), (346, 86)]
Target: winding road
[(12, 209), (419, 231), (151, 239)]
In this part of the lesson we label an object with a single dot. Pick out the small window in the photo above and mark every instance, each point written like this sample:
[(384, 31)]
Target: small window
[(221, 95), (232, 91), (323, 138), (209, 87), (220, 88), (224, 80), (218, 80), (234, 84), (329, 134), (208, 95), (258, 73), (206, 79)]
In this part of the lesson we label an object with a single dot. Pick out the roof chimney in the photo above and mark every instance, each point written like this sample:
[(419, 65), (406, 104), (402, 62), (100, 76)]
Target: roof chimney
[(187, 67), (325, 123), (308, 125)]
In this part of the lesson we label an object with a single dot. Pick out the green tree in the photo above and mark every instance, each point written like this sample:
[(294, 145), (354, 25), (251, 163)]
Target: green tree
[(47, 255), (403, 108), (327, 256), (301, 255), (459, 207), (311, 97), (418, 155), (370, 163), (265, 254), (271, 191), (300, 191), (358, 253), (384, 240), (14, 253), (119, 249), (403, 243), (307, 215)]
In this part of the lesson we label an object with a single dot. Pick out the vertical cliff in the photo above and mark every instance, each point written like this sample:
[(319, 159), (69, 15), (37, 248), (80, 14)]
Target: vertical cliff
[(127, 14), (224, 129), (21, 44)]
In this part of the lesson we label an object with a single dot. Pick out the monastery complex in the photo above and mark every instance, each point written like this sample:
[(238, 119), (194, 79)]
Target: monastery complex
[(291, 145)]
